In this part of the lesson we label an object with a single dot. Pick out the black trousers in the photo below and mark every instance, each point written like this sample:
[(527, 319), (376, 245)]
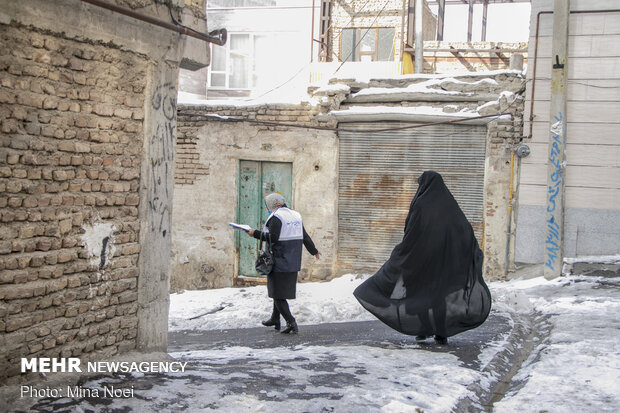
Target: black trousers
[(280, 307), (439, 317)]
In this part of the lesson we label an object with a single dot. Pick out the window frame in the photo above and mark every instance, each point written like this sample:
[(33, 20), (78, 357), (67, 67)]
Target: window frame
[(227, 64), (358, 35)]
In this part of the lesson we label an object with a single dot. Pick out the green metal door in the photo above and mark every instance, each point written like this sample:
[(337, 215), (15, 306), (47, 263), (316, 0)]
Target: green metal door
[(257, 180)]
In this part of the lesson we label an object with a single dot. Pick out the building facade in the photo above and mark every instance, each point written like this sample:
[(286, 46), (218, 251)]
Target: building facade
[(340, 174), (591, 173), (87, 104)]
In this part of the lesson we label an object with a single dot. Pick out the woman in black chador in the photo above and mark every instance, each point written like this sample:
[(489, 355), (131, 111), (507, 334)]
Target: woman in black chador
[(432, 283)]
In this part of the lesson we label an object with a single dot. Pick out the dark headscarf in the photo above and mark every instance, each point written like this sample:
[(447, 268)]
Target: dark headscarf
[(435, 273)]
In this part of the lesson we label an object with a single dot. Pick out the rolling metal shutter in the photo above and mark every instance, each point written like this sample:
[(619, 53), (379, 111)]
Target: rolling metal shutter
[(378, 177)]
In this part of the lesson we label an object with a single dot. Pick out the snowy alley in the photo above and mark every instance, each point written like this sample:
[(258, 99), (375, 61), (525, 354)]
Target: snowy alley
[(543, 341)]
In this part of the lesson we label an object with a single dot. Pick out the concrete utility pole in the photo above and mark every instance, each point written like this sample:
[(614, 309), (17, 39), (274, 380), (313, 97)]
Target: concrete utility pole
[(556, 162), (419, 37)]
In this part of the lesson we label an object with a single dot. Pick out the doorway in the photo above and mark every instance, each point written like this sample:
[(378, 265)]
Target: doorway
[(256, 180)]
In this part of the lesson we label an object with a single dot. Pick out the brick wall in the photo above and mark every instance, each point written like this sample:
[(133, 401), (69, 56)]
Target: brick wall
[(70, 155), (352, 13), (189, 166)]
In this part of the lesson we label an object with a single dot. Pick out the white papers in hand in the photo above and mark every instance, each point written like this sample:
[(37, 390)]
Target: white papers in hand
[(243, 227)]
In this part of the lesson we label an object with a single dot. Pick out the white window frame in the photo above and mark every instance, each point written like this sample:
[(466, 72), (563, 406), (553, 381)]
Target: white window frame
[(228, 70)]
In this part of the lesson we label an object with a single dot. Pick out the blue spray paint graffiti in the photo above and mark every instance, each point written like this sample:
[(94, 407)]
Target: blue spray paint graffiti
[(552, 243)]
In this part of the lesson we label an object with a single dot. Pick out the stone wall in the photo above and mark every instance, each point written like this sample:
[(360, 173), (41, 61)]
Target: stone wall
[(71, 153), (87, 120)]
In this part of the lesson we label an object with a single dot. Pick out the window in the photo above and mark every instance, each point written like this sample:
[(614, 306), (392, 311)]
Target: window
[(367, 44), (252, 62), (231, 64)]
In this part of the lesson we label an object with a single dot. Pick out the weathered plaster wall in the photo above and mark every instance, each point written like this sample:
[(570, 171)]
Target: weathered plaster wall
[(88, 101), (486, 96), (209, 151), (204, 253)]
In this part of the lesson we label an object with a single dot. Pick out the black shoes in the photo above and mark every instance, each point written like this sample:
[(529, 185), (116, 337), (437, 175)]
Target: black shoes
[(438, 339), (272, 322), (291, 328)]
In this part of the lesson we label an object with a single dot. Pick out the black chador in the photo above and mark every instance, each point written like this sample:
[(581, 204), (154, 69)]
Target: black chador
[(432, 283)]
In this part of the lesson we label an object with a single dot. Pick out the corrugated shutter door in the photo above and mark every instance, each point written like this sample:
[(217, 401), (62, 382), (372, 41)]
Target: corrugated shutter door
[(378, 177)]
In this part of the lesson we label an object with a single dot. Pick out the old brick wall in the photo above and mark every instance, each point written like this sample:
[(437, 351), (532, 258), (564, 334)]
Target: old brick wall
[(353, 13), (70, 158), (207, 163), (376, 13)]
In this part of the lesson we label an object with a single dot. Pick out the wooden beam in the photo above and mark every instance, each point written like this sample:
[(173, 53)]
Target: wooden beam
[(410, 23), (441, 10), (470, 20), (485, 7)]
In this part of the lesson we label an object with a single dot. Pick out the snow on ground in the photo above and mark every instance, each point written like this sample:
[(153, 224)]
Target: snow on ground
[(375, 378), (575, 368), (245, 307)]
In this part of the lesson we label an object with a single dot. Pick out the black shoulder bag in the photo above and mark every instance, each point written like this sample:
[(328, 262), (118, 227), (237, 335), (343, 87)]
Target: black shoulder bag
[(264, 262)]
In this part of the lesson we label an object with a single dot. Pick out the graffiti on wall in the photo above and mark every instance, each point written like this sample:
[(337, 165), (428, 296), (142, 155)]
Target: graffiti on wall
[(163, 104), (555, 179)]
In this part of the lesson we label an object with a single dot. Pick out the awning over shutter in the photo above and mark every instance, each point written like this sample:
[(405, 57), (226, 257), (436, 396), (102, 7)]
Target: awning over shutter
[(378, 177)]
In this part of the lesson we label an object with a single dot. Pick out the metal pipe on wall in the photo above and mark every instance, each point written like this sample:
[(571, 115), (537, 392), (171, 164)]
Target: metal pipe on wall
[(536, 53), (216, 37)]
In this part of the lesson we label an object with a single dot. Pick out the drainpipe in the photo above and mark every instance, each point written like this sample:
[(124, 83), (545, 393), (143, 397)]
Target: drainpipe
[(217, 37), (508, 231), (521, 151)]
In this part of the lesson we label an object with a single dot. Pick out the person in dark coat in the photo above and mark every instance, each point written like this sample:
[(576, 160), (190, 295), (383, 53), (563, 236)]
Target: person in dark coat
[(285, 230), (432, 283)]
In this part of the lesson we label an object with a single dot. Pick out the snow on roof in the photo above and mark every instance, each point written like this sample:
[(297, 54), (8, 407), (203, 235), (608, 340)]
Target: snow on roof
[(327, 89), (411, 114), (424, 91)]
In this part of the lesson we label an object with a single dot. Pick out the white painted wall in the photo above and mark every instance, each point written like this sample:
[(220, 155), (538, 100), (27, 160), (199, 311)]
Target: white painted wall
[(592, 200), (203, 244)]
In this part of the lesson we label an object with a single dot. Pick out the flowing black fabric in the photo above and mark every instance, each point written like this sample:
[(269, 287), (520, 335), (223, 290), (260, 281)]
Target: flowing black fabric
[(432, 283)]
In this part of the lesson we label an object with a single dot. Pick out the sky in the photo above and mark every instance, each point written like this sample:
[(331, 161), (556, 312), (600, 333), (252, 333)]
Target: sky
[(505, 22)]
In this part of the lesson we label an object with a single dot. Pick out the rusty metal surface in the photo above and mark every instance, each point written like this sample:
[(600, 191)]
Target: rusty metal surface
[(378, 177)]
